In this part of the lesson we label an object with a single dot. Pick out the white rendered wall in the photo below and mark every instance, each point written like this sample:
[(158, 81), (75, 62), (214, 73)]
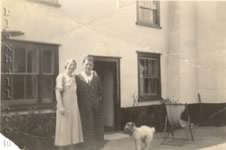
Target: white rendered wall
[(94, 27), (182, 53), (212, 51)]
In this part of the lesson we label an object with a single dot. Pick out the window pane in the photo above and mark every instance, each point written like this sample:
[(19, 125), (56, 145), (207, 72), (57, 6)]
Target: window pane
[(31, 87), (18, 87), (150, 87), (154, 5), (32, 61), (152, 66), (141, 67), (155, 17), (149, 67), (141, 14), (145, 68), (47, 89), (47, 61), (19, 60), (141, 86), (148, 16), (6, 87), (6, 58)]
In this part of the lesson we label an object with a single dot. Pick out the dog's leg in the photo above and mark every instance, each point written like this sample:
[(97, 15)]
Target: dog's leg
[(147, 146), (147, 143), (138, 144)]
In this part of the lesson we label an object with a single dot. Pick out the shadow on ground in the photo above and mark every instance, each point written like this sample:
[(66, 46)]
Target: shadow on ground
[(208, 138)]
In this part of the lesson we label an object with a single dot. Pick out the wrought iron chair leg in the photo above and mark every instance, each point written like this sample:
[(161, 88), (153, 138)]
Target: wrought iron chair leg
[(172, 131), (190, 129), (165, 127), (165, 124), (174, 123), (192, 137)]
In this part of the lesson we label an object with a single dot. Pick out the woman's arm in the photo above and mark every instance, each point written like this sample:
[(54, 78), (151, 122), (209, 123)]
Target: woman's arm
[(59, 91), (60, 105), (99, 87)]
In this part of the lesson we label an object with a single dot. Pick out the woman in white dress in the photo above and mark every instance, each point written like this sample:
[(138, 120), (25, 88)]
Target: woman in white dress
[(68, 123)]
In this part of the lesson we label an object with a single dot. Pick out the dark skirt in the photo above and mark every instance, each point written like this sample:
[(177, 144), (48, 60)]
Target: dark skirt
[(91, 112), (92, 125)]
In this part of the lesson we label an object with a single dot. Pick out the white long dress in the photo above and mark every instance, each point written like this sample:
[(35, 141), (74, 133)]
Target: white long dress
[(68, 126)]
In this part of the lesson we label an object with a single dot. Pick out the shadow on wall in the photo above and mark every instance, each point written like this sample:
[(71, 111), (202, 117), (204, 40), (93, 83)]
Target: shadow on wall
[(213, 115), (210, 114)]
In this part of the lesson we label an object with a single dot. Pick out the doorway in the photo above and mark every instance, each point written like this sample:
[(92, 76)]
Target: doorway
[(108, 70)]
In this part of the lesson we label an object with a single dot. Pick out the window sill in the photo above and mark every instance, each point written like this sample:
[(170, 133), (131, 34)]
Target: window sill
[(149, 99), (149, 103), (148, 25), (14, 110)]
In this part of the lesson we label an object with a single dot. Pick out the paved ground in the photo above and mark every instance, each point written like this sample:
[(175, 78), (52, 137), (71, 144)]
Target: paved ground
[(206, 138)]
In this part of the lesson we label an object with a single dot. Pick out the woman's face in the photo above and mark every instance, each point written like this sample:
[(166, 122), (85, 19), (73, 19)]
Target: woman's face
[(71, 67), (88, 66)]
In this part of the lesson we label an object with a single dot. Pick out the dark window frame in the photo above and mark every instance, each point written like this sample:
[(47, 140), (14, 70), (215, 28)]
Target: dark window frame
[(146, 23), (27, 103), (157, 56)]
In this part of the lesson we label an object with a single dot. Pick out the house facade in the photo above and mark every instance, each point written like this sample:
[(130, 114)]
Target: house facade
[(144, 52)]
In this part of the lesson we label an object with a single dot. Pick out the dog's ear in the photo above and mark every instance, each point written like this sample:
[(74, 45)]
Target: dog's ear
[(132, 126), (127, 126)]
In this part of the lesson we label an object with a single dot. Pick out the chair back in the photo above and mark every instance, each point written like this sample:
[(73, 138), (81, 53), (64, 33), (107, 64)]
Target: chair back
[(174, 112)]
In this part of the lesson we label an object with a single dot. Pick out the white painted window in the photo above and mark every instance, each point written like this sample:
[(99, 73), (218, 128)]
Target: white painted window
[(148, 13)]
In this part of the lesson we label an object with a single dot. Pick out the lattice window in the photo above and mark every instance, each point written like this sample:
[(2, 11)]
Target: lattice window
[(28, 73), (148, 13), (149, 76)]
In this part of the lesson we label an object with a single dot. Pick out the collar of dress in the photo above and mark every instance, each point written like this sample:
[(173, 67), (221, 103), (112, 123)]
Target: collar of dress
[(88, 79)]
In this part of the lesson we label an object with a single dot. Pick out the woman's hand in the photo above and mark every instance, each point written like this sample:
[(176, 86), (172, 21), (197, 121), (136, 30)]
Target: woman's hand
[(62, 110)]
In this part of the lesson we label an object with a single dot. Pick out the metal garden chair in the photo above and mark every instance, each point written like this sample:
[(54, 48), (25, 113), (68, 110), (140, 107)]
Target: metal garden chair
[(173, 121)]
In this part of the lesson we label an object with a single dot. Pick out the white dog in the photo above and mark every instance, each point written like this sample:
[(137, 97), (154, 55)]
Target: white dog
[(142, 135)]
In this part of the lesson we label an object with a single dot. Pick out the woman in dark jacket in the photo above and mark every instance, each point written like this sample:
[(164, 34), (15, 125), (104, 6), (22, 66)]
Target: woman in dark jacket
[(91, 109)]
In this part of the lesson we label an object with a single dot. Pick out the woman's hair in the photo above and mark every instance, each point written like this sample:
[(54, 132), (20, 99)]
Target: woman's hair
[(88, 58), (68, 61)]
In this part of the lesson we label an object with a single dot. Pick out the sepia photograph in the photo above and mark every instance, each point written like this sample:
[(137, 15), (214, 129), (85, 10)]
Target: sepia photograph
[(113, 75)]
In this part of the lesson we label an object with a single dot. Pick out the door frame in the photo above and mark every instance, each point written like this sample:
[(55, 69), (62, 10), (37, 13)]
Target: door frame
[(117, 103)]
